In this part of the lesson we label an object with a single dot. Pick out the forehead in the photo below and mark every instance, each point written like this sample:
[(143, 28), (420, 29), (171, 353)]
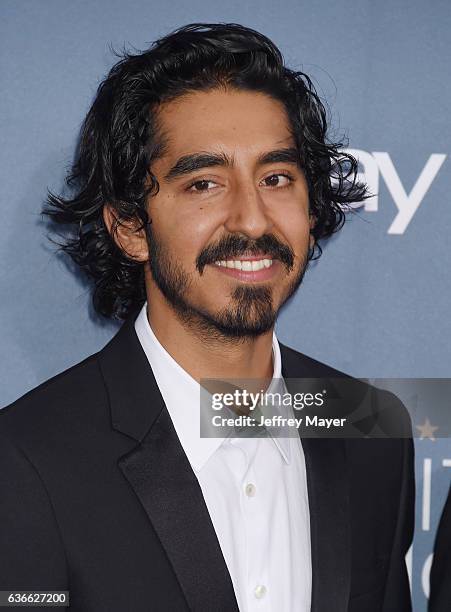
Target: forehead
[(229, 120)]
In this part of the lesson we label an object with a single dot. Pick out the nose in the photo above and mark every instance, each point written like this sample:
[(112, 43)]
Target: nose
[(247, 213)]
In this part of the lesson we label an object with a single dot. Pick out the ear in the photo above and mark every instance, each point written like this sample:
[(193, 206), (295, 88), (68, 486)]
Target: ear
[(128, 234)]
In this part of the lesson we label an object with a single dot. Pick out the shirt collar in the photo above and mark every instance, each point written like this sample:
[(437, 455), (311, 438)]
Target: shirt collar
[(181, 394)]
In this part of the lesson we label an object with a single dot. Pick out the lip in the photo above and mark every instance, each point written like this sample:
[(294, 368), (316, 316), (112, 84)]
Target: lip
[(251, 276)]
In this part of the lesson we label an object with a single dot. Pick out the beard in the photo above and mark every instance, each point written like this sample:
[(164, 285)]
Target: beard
[(251, 311)]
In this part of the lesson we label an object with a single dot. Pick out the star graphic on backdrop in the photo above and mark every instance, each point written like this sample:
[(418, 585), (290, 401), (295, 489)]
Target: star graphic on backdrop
[(427, 430)]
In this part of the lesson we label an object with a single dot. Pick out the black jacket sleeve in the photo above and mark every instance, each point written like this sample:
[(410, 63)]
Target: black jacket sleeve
[(32, 556), (440, 595), (397, 593)]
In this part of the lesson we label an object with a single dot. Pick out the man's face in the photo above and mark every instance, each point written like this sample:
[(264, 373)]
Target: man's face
[(230, 225)]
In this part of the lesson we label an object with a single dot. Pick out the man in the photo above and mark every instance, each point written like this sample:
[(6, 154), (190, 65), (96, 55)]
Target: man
[(202, 185)]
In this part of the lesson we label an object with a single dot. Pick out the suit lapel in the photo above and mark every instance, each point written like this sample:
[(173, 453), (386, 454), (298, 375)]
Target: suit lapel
[(328, 494), (161, 475), (159, 472)]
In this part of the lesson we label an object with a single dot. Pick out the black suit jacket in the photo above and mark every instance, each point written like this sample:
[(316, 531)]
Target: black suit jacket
[(440, 596), (98, 498)]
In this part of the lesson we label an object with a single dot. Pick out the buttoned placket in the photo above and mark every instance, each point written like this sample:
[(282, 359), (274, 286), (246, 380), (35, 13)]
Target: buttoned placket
[(254, 519)]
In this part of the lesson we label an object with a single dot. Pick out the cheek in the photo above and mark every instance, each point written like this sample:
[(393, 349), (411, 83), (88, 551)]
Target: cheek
[(295, 227), (184, 232)]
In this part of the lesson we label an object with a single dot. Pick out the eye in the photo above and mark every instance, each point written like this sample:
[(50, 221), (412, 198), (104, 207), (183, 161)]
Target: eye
[(200, 186), (279, 180)]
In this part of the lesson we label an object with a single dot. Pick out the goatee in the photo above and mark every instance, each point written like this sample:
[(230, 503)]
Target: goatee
[(251, 311)]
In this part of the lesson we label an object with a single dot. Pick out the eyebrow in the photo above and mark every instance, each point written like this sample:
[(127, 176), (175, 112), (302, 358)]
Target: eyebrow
[(196, 161)]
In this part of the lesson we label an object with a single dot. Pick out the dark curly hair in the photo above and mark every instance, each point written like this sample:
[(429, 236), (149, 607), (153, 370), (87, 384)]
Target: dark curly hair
[(119, 140)]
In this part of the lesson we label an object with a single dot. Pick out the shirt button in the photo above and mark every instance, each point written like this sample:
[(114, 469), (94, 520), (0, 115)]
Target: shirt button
[(259, 591), (250, 489)]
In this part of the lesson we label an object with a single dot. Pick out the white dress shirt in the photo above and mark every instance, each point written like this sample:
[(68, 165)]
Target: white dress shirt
[(255, 490)]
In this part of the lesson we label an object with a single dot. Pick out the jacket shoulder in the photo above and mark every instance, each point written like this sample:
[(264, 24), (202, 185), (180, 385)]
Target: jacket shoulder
[(388, 409), (295, 364), (64, 397)]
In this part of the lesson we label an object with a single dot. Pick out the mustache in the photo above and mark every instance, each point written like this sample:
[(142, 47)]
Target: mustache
[(233, 246)]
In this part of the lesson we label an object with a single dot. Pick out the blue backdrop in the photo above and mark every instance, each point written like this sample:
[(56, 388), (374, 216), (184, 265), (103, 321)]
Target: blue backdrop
[(377, 302)]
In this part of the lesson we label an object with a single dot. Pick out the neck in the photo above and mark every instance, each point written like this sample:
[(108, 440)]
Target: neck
[(245, 358)]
